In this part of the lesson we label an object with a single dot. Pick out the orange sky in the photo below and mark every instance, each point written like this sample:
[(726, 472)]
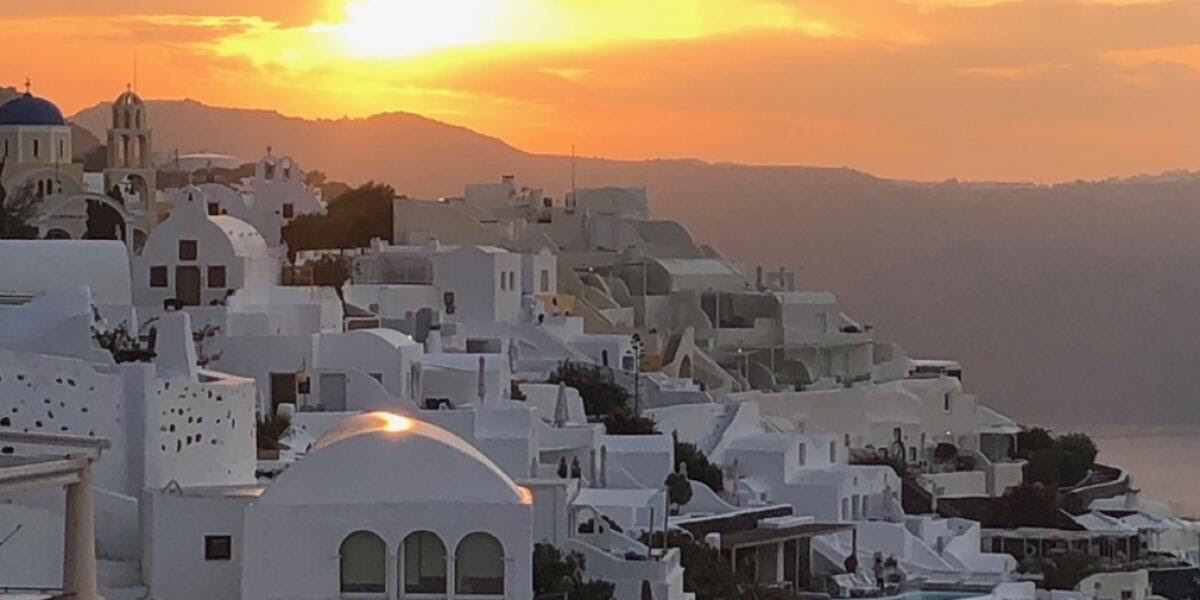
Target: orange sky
[(1030, 89)]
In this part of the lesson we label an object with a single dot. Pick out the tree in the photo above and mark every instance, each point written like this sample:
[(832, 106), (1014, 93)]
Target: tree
[(622, 421), (1062, 461), (271, 429), (679, 489), (1034, 439), (1078, 456), (332, 270), (1065, 571), (704, 574), (699, 468), (600, 394), (945, 451), (1030, 504), (352, 220), (124, 345), (603, 399), (558, 574), (17, 210)]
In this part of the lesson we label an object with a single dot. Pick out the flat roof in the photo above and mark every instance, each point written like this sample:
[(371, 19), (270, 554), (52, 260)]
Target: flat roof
[(762, 535)]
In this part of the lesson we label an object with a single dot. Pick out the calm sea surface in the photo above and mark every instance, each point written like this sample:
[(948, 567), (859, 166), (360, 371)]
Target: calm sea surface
[(1164, 463)]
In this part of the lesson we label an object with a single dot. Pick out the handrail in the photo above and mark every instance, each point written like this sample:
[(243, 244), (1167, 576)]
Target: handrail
[(55, 439)]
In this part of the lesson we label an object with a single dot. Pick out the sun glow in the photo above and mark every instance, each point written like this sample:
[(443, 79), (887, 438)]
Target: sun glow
[(398, 28), (393, 422)]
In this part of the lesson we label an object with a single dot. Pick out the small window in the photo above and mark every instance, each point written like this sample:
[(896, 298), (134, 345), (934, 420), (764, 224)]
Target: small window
[(187, 249), (158, 277), (946, 403), (62, 152), (218, 547), (289, 210), (503, 280), (216, 276), (377, 377), (833, 452), (803, 454), (214, 209), (545, 280), (36, 147)]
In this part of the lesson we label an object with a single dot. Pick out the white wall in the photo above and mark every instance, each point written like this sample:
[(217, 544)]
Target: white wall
[(174, 526), (49, 394), (200, 434), (292, 551)]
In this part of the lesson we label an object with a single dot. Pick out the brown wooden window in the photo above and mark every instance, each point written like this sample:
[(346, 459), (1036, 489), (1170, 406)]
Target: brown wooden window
[(187, 250), (216, 276), (158, 277)]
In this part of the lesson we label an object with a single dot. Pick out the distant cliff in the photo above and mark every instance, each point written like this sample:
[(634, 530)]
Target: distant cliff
[(1074, 302)]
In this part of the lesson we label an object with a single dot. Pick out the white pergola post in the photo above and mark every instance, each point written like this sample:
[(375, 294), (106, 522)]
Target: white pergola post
[(79, 540)]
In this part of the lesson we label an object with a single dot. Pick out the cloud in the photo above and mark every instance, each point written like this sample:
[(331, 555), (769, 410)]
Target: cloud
[(1023, 89)]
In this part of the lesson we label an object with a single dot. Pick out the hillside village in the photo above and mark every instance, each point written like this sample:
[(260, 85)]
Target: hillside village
[(254, 389)]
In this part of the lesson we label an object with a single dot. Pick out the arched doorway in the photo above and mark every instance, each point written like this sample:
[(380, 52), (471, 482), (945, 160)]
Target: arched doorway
[(685, 367), (423, 564), (99, 220), (479, 566), (57, 234), (362, 559), (103, 222)]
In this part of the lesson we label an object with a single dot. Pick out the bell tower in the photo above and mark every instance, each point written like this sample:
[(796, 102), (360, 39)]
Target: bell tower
[(130, 169)]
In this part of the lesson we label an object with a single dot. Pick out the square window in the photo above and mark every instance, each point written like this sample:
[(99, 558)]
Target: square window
[(187, 250), (216, 276), (158, 277), (289, 210), (218, 547), (214, 209)]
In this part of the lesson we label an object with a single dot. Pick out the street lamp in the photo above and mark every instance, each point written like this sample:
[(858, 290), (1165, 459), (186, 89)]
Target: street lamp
[(637, 373)]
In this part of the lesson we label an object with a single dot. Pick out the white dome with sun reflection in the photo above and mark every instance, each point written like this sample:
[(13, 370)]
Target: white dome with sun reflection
[(381, 457)]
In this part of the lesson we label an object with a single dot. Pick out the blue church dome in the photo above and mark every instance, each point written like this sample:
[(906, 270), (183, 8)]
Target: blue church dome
[(28, 110)]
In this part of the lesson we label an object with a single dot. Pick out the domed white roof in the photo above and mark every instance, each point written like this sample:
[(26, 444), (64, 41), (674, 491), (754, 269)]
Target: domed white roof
[(385, 458)]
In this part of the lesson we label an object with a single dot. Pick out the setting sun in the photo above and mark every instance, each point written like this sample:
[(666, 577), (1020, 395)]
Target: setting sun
[(392, 28)]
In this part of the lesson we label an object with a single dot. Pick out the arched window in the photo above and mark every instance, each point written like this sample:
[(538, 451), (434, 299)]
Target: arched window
[(424, 563), (479, 566), (362, 558), (36, 148)]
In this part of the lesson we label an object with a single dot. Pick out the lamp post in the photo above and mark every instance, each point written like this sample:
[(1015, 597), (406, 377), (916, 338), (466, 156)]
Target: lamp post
[(637, 374)]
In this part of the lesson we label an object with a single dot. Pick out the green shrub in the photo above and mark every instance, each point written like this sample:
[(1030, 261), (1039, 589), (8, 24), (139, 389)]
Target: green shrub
[(699, 468), (562, 574), (679, 489)]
